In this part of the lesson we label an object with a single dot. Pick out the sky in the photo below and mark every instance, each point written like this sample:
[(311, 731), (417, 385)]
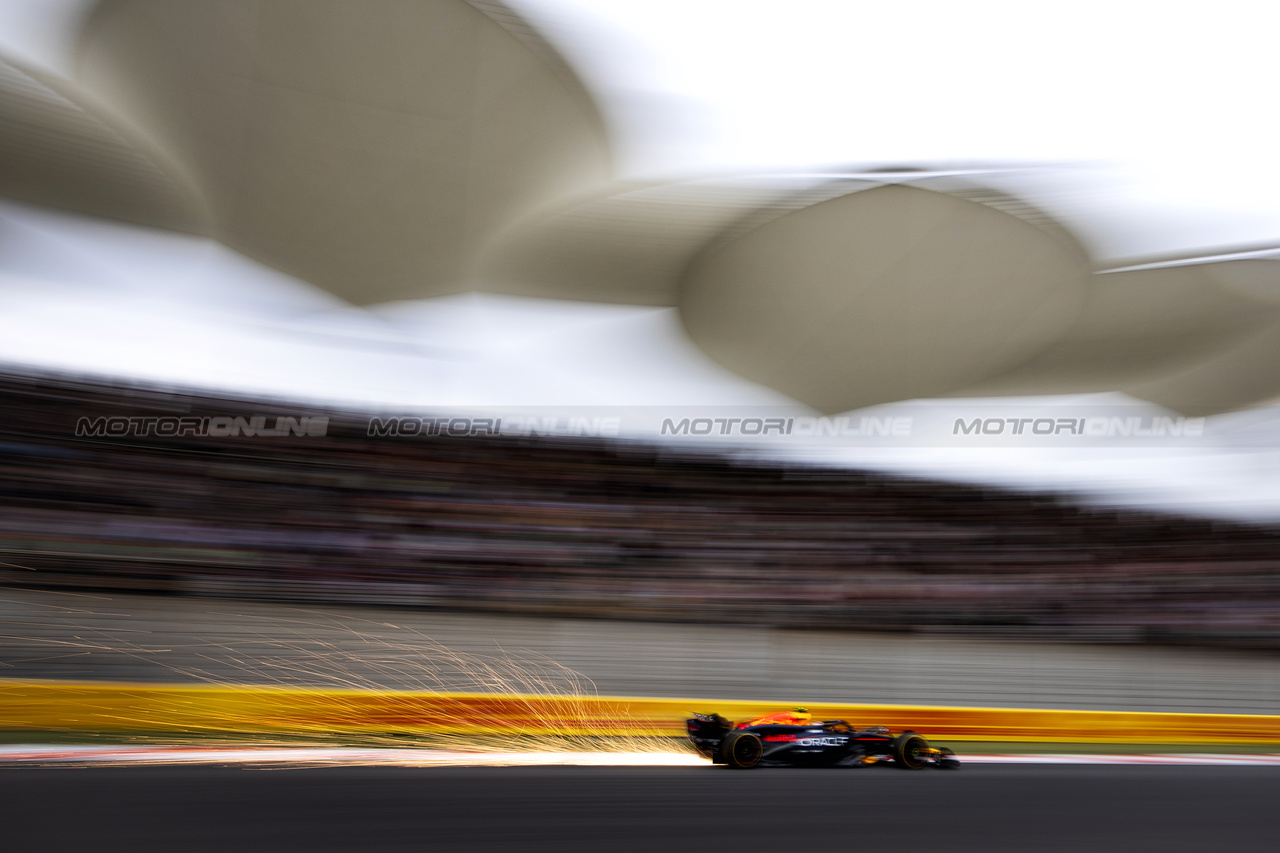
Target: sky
[(1144, 126)]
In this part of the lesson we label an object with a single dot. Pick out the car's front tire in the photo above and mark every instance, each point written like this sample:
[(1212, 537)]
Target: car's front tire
[(909, 751)]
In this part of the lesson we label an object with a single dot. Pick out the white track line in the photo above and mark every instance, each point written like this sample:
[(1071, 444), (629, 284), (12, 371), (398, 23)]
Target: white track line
[(45, 754), (1153, 758), (312, 756)]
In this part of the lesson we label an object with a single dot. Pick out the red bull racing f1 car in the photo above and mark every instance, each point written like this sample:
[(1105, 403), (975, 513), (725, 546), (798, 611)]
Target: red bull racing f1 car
[(792, 738)]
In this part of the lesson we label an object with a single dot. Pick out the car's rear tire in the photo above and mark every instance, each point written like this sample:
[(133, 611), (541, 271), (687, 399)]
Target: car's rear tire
[(741, 750), (908, 751)]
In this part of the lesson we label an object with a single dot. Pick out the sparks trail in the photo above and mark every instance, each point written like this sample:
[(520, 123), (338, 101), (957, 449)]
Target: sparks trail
[(344, 681)]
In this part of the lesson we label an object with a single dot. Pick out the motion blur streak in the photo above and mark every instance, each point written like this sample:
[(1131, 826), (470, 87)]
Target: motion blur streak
[(99, 756), (986, 808), (609, 723), (593, 527)]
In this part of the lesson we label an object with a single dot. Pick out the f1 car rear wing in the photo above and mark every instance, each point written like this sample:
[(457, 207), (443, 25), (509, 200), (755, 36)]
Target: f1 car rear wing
[(706, 731)]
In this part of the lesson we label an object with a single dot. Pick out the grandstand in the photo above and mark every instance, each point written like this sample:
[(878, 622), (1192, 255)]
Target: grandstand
[(588, 527)]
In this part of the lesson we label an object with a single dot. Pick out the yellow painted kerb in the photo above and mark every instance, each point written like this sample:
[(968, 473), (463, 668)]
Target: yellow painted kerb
[(213, 709)]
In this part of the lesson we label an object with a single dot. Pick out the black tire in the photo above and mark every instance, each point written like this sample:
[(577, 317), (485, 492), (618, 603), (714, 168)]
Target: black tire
[(907, 749), (741, 750)]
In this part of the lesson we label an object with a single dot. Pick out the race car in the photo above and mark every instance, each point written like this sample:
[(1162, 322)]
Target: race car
[(792, 738)]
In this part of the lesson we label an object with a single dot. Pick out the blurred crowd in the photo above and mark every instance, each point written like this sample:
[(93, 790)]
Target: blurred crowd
[(591, 527)]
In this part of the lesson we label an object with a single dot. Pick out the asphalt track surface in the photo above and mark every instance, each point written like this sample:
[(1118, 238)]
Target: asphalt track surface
[(993, 807)]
